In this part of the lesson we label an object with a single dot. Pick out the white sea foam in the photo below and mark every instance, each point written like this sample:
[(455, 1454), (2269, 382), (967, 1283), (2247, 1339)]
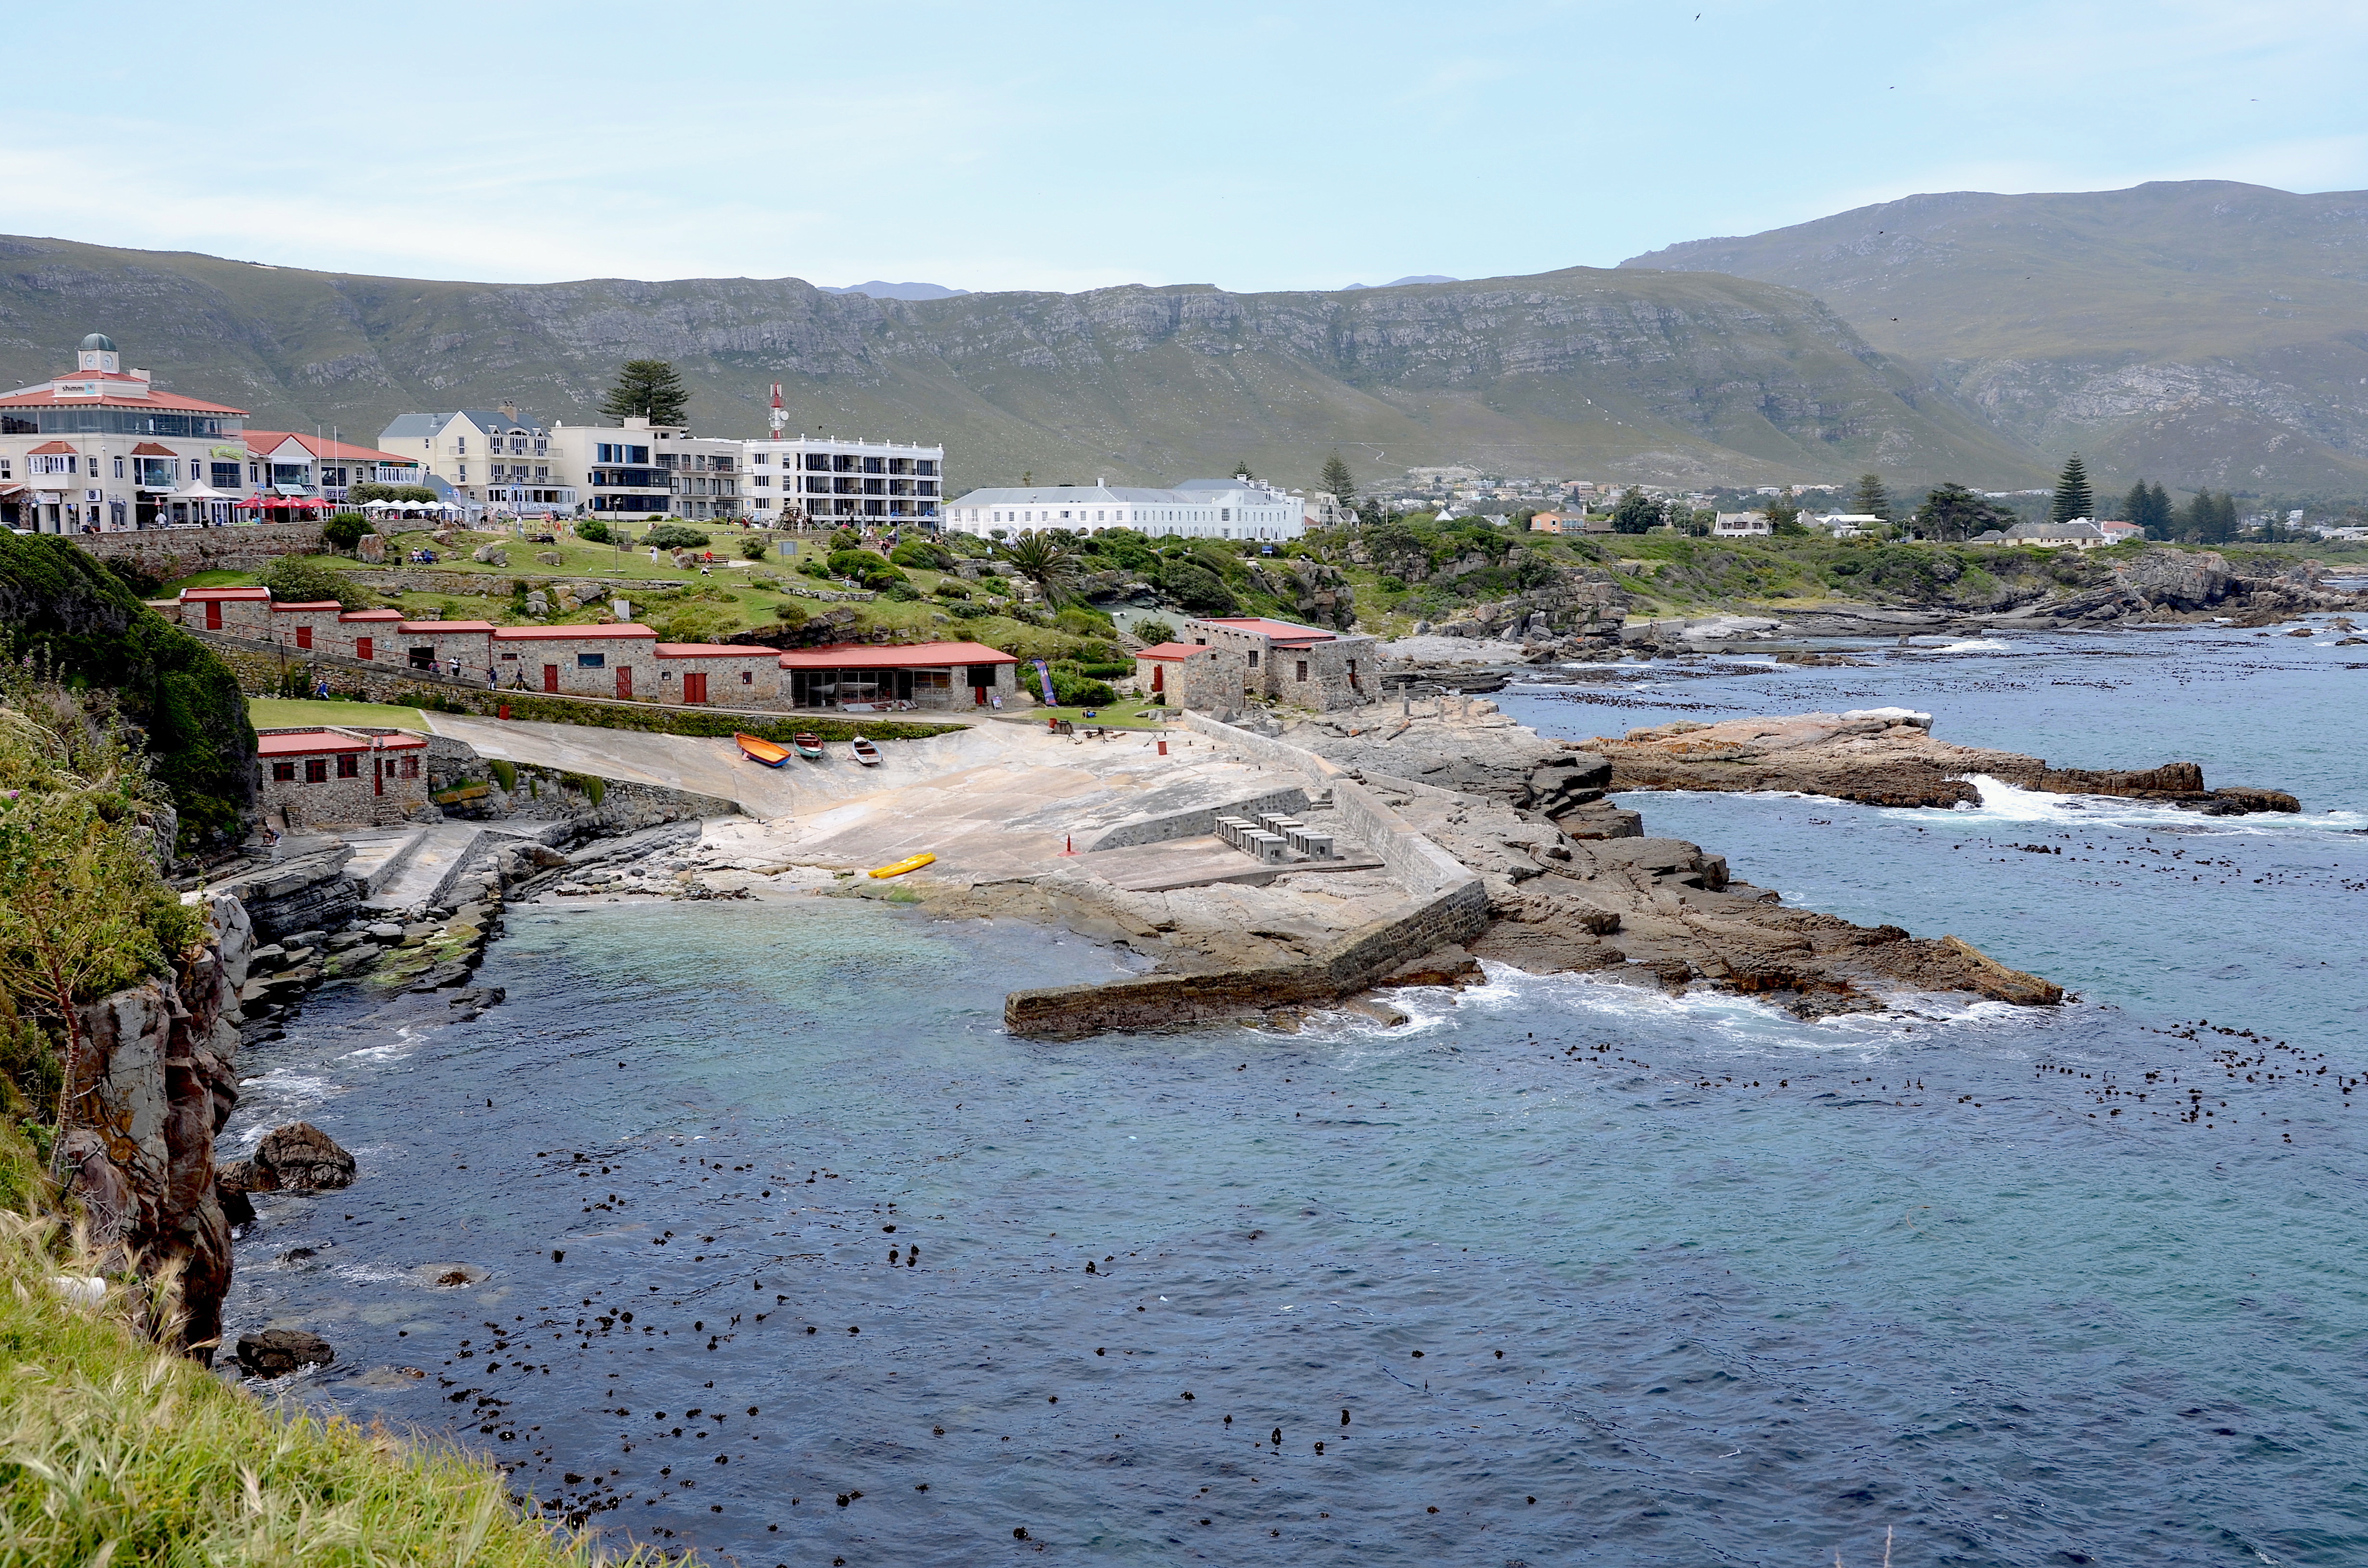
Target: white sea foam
[(2005, 805), (1972, 645)]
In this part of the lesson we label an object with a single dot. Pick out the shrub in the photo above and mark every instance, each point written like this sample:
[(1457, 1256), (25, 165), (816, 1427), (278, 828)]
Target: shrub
[(790, 613), (855, 563), (1073, 691), (299, 579), (814, 569), (674, 536), (345, 530), (1081, 621), (505, 774), (961, 611), (1197, 588), (1114, 670), (951, 588), (361, 493), (926, 553), (752, 547), (1155, 632), (593, 530), (903, 591)]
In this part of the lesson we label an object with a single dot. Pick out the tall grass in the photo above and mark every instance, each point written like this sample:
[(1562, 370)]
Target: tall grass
[(114, 1452)]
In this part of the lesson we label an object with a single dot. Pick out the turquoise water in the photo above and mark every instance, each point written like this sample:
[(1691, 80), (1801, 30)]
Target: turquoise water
[(1707, 1283)]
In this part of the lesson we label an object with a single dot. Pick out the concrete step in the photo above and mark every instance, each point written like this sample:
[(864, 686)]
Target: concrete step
[(381, 855), (437, 858)]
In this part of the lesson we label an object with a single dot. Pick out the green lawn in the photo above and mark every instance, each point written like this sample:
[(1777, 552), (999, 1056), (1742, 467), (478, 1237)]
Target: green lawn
[(1127, 713), (282, 713), (207, 580)]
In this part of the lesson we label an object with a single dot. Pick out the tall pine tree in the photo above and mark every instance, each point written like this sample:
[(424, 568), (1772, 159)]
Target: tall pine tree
[(650, 389), (2073, 501), (2161, 520), (1337, 480), (1872, 500)]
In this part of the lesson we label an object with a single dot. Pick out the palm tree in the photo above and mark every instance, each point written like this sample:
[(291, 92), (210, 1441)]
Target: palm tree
[(1044, 560)]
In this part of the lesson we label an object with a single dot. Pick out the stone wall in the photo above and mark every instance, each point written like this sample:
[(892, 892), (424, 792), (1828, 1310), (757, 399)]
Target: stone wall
[(1198, 820), (168, 553), (305, 892)]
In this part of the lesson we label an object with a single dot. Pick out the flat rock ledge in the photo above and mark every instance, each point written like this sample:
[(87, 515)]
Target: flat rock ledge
[(1885, 756)]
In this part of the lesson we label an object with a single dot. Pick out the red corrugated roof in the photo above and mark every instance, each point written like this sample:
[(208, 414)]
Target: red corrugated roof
[(261, 441), (48, 398), (1280, 631), (543, 634), (713, 651), (1172, 651), (432, 626), (300, 743), (203, 594), (876, 656)]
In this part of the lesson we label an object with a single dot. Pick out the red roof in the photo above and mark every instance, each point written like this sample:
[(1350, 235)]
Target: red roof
[(150, 450), (876, 656), (1280, 631), (47, 397), (202, 595), (299, 743), (49, 447), (261, 441), (1172, 651), (534, 634), (415, 626), (309, 604), (372, 615), (713, 651)]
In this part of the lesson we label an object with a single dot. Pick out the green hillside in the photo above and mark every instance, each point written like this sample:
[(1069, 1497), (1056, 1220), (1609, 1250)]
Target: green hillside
[(1584, 373), (2203, 332)]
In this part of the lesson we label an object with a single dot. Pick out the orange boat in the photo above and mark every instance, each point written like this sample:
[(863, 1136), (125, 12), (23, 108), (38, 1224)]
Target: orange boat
[(763, 750)]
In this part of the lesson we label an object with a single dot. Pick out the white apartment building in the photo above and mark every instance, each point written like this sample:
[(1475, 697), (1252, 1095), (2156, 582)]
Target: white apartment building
[(100, 448), (639, 469), (488, 456), (817, 479), (1198, 508)]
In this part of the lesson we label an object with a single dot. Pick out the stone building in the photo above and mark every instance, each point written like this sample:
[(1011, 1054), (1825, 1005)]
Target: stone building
[(577, 661), (866, 677), (1197, 675), (341, 777), (1300, 666), (724, 674)]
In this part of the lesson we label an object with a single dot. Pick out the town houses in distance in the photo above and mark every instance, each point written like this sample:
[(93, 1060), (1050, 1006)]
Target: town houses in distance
[(103, 449)]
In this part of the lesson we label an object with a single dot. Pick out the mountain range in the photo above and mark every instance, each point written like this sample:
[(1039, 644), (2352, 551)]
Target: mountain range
[(2200, 333)]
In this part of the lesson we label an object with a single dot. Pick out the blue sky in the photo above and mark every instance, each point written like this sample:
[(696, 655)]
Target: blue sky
[(1072, 146)]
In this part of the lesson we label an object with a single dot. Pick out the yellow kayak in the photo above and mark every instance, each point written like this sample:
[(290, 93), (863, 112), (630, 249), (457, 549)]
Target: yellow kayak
[(898, 868)]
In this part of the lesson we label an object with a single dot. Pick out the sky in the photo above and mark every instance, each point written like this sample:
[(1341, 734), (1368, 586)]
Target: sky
[(1066, 147)]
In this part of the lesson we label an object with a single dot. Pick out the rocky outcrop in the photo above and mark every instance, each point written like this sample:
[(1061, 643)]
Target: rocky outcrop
[(1307, 591), (298, 1157), (156, 1083), (306, 892), (276, 1352), (1883, 756)]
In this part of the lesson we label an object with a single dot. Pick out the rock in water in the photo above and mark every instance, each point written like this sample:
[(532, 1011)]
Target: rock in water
[(276, 1352), (299, 1157)]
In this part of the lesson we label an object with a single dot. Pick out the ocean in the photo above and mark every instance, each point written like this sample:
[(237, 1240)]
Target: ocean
[(756, 1236)]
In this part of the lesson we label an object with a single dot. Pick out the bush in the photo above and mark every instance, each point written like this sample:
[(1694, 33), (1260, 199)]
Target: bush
[(300, 579), (902, 592), (1073, 691), (855, 563), (1155, 632), (505, 774), (674, 536), (592, 531), (961, 611), (752, 547), (1197, 588), (361, 493), (926, 554), (345, 530), (1081, 621), (790, 613), (951, 588), (814, 569)]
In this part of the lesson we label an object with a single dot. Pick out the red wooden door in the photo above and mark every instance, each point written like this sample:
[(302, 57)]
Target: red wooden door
[(304, 638), (214, 615), (361, 647), (694, 688), (624, 681), (551, 678)]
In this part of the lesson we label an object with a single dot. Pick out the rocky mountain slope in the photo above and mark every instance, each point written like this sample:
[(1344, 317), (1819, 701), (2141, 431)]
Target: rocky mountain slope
[(2200, 332), (1584, 372)]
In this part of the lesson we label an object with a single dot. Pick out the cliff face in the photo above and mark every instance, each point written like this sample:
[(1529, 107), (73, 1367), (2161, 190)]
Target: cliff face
[(59, 604), (158, 1082), (1582, 372)]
